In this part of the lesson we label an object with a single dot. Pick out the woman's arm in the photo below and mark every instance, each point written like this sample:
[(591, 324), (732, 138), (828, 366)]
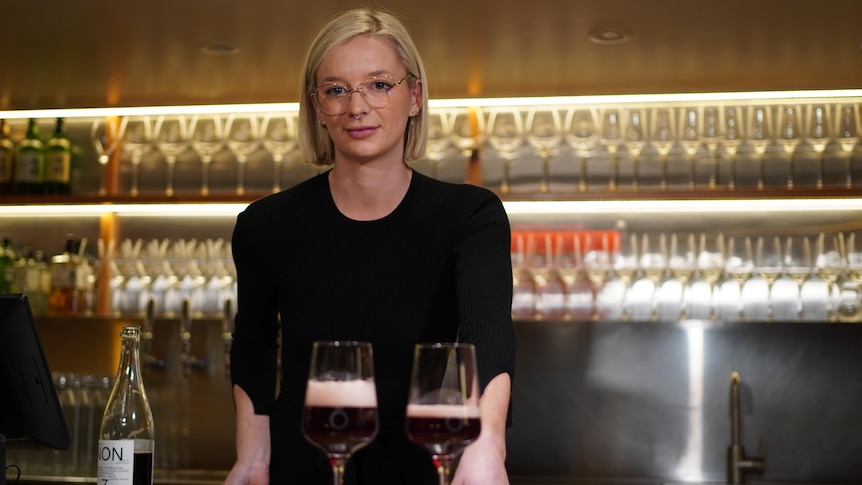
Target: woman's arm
[(484, 461), (252, 444)]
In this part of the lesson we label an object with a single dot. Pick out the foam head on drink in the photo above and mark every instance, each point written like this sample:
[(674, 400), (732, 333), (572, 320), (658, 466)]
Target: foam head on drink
[(442, 411), (355, 393)]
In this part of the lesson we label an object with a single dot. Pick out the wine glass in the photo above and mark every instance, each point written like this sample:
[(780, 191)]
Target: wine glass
[(797, 262), (443, 414), (467, 129), (662, 139), (172, 139), (243, 139), (438, 138), (788, 136), (691, 138), (137, 136), (505, 134), (340, 411), (544, 132), (847, 121), (279, 138), (582, 137), (733, 134), (711, 138), (634, 140), (818, 135), (207, 140), (759, 137), (611, 139), (105, 136), (829, 256), (768, 263)]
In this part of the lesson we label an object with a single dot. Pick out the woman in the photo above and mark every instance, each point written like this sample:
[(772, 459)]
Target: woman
[(369, 250)]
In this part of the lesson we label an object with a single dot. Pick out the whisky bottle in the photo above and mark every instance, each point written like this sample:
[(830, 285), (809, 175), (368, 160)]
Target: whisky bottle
[(30, 162), (58, 161)]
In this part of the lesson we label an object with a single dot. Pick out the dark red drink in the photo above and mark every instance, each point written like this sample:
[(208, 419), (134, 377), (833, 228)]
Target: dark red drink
[(339, 430), (143, 474), (443, 429)]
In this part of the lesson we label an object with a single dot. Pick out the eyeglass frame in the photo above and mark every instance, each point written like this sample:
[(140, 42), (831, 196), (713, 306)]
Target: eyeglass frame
[(360, 89)]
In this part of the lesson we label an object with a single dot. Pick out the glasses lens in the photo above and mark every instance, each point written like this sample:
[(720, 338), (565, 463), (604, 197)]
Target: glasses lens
[(333, 98)]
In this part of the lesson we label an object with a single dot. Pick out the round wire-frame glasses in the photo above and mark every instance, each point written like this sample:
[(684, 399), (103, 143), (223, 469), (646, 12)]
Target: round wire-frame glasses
[(333, 98)]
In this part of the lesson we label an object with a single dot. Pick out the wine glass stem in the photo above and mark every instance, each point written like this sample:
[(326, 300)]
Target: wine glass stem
[(240, 177), (136, 165), (848, 166), (337, 464), (635, 174), (504, 185), (169, 185), (205, 175), (276, 175), (444, 468), (615, 162), (543, 185), (790, 172), (582, 184), (663, 183), (820, 170), (761, 175), (731, 173)]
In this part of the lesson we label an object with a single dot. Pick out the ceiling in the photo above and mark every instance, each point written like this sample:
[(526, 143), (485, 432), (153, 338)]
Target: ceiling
[(85, 53)]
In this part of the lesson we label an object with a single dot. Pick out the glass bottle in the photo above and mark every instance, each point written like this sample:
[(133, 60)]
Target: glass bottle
[(63, 297), (58, 161), (7, 157), (30, 162), (126, 436), (7, 261)]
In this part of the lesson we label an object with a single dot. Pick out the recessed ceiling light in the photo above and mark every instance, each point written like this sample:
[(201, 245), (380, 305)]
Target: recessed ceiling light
[(220, 48), (609, 35)]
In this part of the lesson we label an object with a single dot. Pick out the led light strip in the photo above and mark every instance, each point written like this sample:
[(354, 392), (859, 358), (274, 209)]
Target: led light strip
[(741, 97), (514, 208)]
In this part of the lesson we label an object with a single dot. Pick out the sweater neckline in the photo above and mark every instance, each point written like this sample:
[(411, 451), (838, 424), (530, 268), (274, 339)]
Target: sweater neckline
[(408, 196)]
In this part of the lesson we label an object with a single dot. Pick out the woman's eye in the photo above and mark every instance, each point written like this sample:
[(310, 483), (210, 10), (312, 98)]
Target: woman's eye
[(336, 90), (379, 86)]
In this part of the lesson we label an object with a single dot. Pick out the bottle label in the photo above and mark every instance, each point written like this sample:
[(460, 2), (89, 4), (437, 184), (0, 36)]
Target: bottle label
[(29, 167), (58, 167), (63, 276), (116, 462)]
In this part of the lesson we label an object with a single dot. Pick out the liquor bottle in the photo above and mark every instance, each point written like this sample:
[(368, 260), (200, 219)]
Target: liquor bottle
[(30, 162), (7, 261), (7, 157), (58, 161), (126, 438), (63, 297)]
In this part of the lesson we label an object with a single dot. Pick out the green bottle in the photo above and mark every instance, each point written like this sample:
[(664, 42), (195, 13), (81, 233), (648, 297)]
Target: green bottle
[(58, 162), (30, 162), (7, 261), (7, 155)]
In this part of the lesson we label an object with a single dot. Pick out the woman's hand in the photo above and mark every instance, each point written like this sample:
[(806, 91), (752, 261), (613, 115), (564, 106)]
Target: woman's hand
[(242, 474), (484, 461)]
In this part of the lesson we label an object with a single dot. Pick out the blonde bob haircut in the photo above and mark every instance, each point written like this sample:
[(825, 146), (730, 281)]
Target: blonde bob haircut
[(314, 140)]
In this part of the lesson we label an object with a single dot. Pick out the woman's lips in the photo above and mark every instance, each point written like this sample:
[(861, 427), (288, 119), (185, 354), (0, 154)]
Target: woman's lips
[(361, 131)]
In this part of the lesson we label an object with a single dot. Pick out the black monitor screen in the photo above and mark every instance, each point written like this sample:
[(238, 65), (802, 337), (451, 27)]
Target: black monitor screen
[(30, 412)]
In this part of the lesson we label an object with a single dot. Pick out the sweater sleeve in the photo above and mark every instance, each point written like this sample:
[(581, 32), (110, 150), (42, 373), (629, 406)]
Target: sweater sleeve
[(255, 337), (484, 282)]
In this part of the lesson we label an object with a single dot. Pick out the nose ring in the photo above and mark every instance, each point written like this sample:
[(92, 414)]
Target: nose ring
[(356, 117)]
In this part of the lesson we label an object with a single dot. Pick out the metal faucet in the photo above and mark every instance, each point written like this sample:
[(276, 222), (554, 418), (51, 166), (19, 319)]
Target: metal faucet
[(737, 463)]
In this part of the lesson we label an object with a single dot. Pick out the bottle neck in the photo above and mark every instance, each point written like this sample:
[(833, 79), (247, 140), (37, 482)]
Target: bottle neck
[(130, 361)]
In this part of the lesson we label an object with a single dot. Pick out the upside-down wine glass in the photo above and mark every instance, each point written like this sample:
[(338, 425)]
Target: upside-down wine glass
[(711, 138), (847, 122), (662, 139), (759, 137), (207, 140), (438, 138), (818, 134), (505, 134), (279, 138), (172, 139), (340, 412), (544, 133), (137, 135), (733, 134), (691, 140), (582, 137), (243, 139), (788, 136), (611, 138), (105, 136), (443, 414), (634, 140)]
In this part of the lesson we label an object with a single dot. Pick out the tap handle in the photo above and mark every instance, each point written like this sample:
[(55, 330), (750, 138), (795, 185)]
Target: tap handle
[(149, 359), (734, 408)]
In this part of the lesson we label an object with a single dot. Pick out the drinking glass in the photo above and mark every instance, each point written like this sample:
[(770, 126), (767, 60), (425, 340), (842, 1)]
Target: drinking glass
[(279, 138), (105, 136), (544, 133), (682, 258), (733, 135), (611, 138), (739, 264), (768, 259), (340, 412), (583, 268), (691, 138), (654, 256), (171, 139), (789, 134), (582, 137), (818, 135), (443, 406), (467, 129), (662, 139), (549, 289), (438, 138), (137, 136), (635, 140), (505, 134), (847, 121), (759, 137), (711, 138), (829, 256), (797, 259), (207, 140), (243, 139)]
